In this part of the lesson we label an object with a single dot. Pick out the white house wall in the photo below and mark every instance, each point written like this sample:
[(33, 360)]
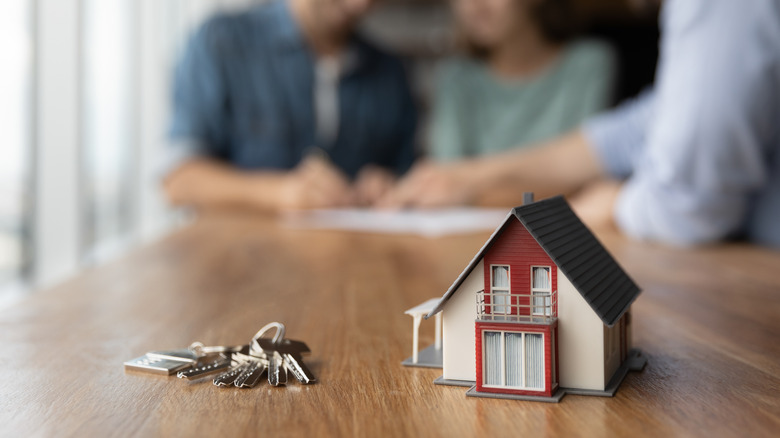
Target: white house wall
[(580, 340), (458, 317)]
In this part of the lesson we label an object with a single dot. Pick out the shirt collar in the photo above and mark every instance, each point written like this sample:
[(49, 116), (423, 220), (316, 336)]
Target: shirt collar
[(289, 37), (286, 30)]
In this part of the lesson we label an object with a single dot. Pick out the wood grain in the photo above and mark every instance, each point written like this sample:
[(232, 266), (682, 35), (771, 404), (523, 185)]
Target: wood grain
[(708, 320)]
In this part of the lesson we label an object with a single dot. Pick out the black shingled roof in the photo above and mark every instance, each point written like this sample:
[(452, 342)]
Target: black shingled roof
[(578, 254)]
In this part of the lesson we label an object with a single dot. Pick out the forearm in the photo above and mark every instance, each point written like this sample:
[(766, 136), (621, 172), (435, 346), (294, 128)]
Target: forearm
[(561, 166), (206, 183)]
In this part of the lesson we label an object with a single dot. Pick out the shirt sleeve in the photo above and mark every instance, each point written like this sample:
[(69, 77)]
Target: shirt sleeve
[(712, 116), (618, 137), (199, 96)]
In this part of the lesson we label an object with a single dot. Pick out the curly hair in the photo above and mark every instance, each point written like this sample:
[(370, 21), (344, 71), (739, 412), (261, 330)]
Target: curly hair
[(556, 20)]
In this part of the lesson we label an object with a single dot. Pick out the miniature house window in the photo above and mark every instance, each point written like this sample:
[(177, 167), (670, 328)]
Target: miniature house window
[(514, 360), (541, 289), (499, 290)]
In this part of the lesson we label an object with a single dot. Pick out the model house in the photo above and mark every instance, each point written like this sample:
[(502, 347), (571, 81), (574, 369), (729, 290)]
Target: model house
[(542, 310)]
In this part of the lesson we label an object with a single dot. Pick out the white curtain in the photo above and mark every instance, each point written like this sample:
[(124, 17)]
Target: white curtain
[(514, 359), (492, 363), (541, 295), (500, 302), (501, 286), (542, 278), (534, 360), (542, 303), (523, 360), (501, 276)]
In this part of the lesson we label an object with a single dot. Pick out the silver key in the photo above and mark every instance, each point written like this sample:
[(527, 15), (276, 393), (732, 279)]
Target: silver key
[(277, 373), (247, 367), (255, 367), (156, 365), (227, 378), (204, 369), (290, 352), (239, 363), (241, 366), (294, 363), (164, 362), (186, 355), (252, 375), (167, 362)]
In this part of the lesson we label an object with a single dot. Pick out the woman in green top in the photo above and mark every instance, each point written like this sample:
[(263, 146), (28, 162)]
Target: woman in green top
[(521, 80)]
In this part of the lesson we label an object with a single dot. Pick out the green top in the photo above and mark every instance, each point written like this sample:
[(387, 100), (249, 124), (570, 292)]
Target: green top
[(477, 113)]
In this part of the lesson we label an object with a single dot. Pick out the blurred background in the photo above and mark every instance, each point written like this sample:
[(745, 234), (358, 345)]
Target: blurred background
[(84, 108)]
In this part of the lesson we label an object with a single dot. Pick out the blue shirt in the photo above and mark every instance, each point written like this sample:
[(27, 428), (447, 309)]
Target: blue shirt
[(244, 94), (701, 152)]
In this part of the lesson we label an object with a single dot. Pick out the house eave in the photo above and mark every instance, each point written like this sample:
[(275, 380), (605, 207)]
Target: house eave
[(470, 267)]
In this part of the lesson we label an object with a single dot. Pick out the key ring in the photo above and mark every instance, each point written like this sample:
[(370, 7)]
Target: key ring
[(277, 339), (201, 350)]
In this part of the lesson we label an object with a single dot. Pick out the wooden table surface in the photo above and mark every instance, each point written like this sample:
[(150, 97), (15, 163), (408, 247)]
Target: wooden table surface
[(708, 320)]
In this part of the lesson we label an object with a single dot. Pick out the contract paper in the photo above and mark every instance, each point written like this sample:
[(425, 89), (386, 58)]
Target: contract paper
[(427, 223)]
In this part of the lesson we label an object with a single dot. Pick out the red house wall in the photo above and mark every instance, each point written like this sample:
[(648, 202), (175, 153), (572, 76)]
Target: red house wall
[(549, 345), (557, 361), (518, 249)]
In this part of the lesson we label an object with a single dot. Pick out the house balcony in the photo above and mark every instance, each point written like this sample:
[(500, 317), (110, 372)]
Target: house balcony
[(536, 308)]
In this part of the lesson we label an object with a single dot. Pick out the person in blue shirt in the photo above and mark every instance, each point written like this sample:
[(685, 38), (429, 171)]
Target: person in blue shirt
[(284, 106), (694, 160)]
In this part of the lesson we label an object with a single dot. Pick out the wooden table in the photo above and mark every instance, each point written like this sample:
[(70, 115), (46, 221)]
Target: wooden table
[(708, 320)]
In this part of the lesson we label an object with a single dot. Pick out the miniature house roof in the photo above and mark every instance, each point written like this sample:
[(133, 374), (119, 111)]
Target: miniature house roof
[(575, 250)]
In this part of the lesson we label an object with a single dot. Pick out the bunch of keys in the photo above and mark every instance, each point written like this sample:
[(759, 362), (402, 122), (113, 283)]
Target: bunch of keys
[(241, 366)]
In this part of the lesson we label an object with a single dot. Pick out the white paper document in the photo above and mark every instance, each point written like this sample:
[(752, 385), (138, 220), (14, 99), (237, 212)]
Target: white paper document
[(427, 223)]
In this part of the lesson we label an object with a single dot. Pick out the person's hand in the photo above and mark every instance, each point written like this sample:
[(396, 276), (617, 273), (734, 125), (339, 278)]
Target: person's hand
[(430, 185), (194, 182), (595, 204), (372, 184), (315, 183)]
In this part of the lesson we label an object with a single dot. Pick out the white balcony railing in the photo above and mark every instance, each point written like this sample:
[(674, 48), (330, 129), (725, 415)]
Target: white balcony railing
[(539, 307)]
